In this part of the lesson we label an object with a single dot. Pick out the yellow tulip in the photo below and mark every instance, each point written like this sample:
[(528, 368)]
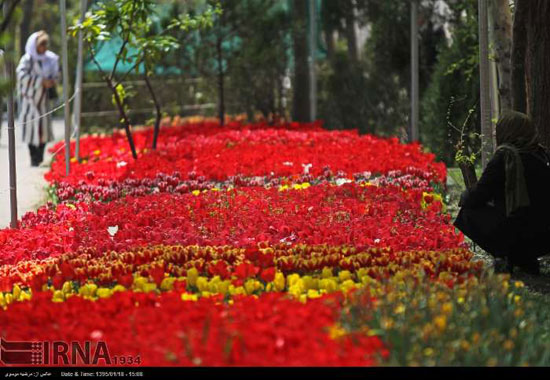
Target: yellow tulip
[(312, 293), (149, 287), (192, 276), (104, 292), (87, 290), (119, 288), (58, 296), (167, 283), (327, 272), (292, 279), (249, 286), (16, 292), (67, 287), (202, 284), (189, 297), (344, 275), (279, 282)]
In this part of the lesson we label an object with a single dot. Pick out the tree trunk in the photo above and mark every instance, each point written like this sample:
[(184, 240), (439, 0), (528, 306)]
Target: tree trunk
[(301, 101), (537, 66), (124, 117), (158, 113), (519, 46), (221, 81), (25, 27), (501, 28), (329, 41), (484, 79), (351, 35)]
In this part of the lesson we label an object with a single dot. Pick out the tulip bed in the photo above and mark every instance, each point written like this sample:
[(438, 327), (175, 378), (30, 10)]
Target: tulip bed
[(256, 245)]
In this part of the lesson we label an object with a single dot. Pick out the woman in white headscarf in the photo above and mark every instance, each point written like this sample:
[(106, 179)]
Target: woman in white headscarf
[(37, 72)]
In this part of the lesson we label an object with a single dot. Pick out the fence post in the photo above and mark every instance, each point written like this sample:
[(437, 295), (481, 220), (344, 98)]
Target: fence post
[(9, 70), (415, 92), (63, 11), (312, 60), (77, 109)]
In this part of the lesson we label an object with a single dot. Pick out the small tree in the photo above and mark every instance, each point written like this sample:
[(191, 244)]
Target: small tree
[(464, 156), (141, 46)]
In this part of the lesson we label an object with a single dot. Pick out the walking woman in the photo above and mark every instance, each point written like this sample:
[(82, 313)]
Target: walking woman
[(507, 213), (37, 73)]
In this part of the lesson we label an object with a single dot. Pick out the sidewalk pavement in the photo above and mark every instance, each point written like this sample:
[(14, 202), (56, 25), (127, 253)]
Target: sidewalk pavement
[(31, 185)]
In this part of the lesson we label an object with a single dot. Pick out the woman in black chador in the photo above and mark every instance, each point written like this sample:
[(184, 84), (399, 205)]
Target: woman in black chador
[(507, 213)]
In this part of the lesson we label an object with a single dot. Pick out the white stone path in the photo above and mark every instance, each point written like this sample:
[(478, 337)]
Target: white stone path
[(31, 185)]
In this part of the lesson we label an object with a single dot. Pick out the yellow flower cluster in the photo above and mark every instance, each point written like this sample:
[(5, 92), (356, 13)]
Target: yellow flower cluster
[(300, 287), (15, 295), (296, 186)]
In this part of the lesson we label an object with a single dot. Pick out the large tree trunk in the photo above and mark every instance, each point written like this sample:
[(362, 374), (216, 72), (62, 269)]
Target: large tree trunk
[(501, 31), (351, 34), (537, 66), (301, 102), (532, 42), (519, 46)]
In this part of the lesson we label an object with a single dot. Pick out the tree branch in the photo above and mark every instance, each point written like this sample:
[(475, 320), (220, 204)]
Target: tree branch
[(124, 43), (7, 19)]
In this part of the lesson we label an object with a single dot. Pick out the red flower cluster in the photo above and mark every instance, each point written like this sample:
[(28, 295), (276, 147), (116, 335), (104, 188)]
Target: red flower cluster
[(217, 153), (364, 216), (163, 330)]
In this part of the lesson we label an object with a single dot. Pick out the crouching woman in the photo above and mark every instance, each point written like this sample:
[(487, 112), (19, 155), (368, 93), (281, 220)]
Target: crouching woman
[(507, 213)]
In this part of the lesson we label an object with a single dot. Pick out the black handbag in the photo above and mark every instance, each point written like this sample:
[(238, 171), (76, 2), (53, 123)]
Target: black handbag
[(52, 93)]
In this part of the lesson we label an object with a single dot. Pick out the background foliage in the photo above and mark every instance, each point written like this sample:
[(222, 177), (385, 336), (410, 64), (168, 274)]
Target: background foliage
[(363, 64)]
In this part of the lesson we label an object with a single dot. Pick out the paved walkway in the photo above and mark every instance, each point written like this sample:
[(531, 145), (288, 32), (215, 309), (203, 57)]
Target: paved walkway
[(30, 181)]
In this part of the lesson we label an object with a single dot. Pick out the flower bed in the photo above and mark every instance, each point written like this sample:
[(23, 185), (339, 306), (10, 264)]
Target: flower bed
[(256, 245)]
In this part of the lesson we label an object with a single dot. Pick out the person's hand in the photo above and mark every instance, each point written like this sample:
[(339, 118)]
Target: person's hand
[(48, 83)]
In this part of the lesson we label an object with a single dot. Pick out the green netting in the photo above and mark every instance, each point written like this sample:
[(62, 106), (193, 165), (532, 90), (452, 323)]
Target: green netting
[(106, 51), (106, 57)]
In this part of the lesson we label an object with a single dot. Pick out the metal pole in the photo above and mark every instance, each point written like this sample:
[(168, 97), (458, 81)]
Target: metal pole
[(312, 60), (415, 93), (63, 11), (9, 70), (77, 110), (484, 77)]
